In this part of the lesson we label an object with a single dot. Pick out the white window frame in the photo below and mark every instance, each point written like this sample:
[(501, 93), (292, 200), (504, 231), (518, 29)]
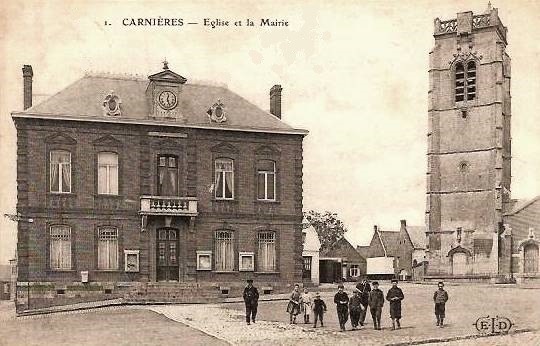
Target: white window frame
[(60, 172), (128, 253), (223, 173), (61, 236), (354, 270), (108, 180), (266, 175), (243, 254), (222, 267), (111, 241), (202, 254), (260, 241)]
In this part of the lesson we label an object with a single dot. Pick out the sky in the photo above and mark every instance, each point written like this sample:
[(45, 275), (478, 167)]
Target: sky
[(354, 73)]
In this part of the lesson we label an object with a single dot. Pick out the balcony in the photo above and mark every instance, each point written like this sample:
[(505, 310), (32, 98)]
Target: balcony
[(170, 206)]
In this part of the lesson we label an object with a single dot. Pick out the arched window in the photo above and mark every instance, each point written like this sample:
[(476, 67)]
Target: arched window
[(465, 88), (530, 258)]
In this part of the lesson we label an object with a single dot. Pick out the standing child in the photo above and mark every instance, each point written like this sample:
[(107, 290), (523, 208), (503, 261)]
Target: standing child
[(342, 305), (376, 302), (306, 305), (355, 308), (293, 308), (440, 298), (364, 289), (395, 296), (319, 308)]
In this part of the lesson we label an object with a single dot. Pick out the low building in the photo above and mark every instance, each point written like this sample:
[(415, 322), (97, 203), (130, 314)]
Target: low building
[(5, 282), (341, 262), (310, 255), (521, 235)]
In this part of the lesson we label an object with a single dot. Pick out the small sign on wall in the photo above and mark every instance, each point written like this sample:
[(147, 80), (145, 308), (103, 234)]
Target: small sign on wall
[(84, 276), (131, 261)]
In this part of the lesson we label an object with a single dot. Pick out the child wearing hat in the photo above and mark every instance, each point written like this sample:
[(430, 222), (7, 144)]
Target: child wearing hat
[(319, 308), (376, 302), (355, 308), (342, 305), (395, 296)]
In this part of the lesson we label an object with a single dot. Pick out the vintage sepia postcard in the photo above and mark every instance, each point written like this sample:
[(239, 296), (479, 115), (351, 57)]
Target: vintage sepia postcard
[(269, 172)]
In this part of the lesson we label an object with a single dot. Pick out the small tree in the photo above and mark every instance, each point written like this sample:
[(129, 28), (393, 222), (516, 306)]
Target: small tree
[(329, 228)]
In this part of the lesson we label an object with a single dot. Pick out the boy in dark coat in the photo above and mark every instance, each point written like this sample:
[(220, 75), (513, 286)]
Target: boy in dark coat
[(364, 289), (376, 302), (342, 301), (319, 308), (395, 296), (251, 298), (440, 298), (355, 308)]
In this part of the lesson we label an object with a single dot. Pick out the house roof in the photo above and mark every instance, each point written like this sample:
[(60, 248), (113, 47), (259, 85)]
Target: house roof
[(390, 242), (83, 101), (343, 249), (418, 236), (521, 204), (363, 250)]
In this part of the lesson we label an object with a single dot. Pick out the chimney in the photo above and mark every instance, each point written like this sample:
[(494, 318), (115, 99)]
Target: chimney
[(403, 223), (375, 228), (27, 85), (275, 101)]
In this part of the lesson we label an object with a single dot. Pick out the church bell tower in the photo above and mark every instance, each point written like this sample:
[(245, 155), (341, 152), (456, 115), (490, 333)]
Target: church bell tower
[(468, 159)]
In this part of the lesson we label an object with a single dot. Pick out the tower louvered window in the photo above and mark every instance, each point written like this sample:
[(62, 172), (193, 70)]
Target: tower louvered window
[(465, 82)]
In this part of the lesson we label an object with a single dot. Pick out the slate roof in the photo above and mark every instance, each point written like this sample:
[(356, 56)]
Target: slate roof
[(521, 204), (342, 248), (82, 100), (418, 236), (363, 250)]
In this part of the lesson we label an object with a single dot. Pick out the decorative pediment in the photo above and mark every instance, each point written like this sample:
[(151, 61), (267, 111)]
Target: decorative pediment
[(267, 150), (107, 141), (461, 249), (60, 138), (167, 76), (224, 148)]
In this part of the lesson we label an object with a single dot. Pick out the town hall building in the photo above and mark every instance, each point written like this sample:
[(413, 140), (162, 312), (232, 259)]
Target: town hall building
[(154, 189)]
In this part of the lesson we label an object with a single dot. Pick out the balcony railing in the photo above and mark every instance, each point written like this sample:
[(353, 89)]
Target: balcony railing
[(175, 206)]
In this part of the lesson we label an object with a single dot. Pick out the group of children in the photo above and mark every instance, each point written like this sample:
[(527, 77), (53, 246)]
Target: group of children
[(356, 306)]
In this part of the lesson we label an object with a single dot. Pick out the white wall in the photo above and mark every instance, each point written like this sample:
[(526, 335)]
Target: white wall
[(312, 246), (380, 265)]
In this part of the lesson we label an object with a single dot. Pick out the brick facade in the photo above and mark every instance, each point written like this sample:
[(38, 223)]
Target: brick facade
[(138, 146)]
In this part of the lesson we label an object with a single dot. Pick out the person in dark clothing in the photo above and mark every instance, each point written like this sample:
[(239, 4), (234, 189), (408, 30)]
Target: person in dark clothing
[(376, 302), (251, 298), (319, 308), (355, 308), (364, 288), (440, 298), (395, 296), (342, 301)]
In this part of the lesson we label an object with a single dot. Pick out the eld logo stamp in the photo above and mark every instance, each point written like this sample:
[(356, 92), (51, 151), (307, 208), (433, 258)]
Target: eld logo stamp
[(493, 325)]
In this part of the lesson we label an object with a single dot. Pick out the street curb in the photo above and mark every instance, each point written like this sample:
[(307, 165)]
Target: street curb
[(463, 337)]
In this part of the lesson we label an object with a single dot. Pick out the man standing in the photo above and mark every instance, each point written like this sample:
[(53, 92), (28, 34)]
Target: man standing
[(364, 289), (440, 298), (342, 301), (355, 308), (251, 298), (376, 302), (395, 296)]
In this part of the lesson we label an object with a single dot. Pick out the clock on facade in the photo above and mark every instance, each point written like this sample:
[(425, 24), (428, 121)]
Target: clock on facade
[(167, 100)]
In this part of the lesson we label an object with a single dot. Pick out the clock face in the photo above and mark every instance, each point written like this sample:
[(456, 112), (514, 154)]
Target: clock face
[(167, 99)]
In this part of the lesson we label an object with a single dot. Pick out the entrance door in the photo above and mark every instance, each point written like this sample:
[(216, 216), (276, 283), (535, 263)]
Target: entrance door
[(459, 263), (530, 263), (167, 254)]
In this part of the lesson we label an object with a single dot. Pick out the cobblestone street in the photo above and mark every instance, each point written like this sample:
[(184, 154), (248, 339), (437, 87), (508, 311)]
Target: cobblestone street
[(216, 324)]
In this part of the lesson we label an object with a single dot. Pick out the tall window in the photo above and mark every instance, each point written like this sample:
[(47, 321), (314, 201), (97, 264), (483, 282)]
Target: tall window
[(60, 251), (60, 171), (267, 251), (266, 180), (224, 251), (108, 248), (167, 175), (224, 180), (465, 81), (108, 173)]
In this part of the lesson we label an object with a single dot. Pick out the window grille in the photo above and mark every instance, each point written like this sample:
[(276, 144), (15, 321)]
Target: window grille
[(465, 88), (108, 249), (267, 251), (224, 251), (60, 247)]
